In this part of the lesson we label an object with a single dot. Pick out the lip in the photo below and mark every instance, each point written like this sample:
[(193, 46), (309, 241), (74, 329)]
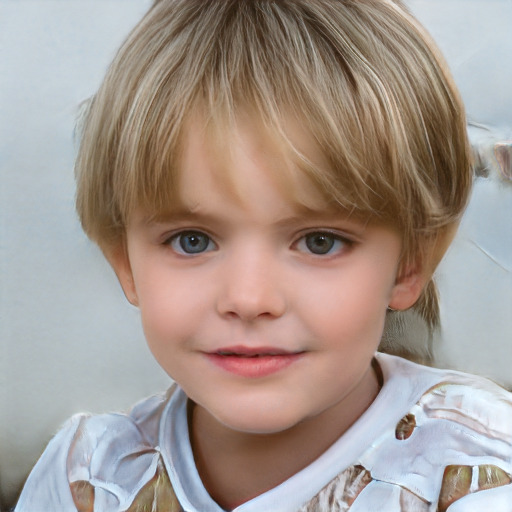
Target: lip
[(253, 362)]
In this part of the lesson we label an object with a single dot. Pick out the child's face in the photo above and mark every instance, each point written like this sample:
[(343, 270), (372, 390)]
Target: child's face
[(265, 312)]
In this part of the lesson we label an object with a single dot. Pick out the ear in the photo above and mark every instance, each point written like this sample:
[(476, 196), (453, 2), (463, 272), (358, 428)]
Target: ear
[(119, 260), (413, 277), (408, 286)]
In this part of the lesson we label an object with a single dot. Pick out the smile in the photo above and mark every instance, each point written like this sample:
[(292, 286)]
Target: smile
[(253, 362)]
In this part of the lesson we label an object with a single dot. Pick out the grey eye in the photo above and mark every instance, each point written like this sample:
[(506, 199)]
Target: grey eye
[(323, 243), (191, 242), (320, 243)]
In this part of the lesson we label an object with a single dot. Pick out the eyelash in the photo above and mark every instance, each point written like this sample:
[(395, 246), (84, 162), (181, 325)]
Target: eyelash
[(204, 243)]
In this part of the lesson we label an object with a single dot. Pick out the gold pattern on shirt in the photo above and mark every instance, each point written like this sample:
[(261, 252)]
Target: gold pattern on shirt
[(155, 496), (457, 482), (83, 495)]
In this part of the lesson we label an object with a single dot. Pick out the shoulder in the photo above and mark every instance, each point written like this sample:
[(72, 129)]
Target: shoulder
[(105, 459), (101, 439), (455, 440), (113, 456), (453, 396)]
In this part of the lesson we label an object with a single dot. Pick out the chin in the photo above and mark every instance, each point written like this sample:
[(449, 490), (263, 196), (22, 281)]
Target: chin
[(258, 422)]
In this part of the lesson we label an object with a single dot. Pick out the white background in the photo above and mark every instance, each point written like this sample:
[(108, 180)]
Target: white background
[(69, 341)]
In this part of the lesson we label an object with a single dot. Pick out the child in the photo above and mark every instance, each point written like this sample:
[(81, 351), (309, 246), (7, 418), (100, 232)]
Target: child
[(271, 180)]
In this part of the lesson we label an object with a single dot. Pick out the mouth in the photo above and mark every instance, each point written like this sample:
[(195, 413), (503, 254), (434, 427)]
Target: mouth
[(252, 352), (253, 362)]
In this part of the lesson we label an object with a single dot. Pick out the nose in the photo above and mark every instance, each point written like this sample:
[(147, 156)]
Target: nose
[(252, 288)]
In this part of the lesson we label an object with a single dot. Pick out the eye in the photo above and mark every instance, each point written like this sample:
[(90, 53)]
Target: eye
[(322, 243), (191, 242)]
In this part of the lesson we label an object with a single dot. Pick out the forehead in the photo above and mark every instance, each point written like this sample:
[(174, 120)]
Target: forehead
[(251, 163)]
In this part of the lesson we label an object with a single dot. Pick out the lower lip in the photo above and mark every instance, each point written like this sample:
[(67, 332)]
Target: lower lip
[(254, 366)]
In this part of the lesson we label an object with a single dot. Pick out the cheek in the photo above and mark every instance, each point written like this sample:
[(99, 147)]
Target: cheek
[(351, 304), (172, 306), (167, 325)]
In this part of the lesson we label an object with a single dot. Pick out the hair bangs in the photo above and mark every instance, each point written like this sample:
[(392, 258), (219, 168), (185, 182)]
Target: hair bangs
[(361, 77), (322, 64)]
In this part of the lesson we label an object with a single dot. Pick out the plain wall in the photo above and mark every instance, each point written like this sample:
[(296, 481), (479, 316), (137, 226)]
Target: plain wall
[(69, 340)]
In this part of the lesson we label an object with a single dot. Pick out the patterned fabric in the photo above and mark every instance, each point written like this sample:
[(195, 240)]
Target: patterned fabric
[(157, 495), (338, 496), (449, 450)]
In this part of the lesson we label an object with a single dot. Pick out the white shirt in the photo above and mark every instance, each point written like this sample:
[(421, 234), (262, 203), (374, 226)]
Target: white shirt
[(426, 429)]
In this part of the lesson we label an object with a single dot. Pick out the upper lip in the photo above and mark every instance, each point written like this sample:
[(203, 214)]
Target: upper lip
[(243, 351)]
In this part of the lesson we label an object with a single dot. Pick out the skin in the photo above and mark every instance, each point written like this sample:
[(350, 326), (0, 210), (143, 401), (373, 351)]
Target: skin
[(274, 270)]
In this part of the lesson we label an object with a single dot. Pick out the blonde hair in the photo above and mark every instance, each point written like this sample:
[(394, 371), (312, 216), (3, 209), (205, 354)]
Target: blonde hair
[(362, 75)]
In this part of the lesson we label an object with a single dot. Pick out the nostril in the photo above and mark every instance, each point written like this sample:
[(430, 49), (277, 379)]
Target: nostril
[(252, 307)]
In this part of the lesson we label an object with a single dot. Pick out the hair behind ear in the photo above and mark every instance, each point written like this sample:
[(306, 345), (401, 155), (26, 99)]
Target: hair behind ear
[(410, 333), (427, 305)]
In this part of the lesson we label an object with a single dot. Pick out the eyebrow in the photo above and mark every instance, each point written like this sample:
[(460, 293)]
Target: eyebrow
[(302, 213), (175, 214), (324, 218)]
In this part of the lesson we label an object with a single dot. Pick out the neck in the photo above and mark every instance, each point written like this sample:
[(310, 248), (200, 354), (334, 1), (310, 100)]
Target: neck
[(238, 466)]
